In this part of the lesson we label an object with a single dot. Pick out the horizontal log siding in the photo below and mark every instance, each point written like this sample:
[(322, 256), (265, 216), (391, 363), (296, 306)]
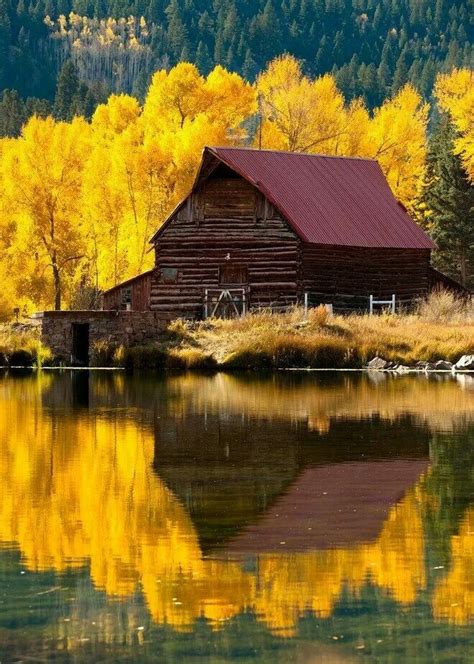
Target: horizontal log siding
[(226, 217), (365, 271)]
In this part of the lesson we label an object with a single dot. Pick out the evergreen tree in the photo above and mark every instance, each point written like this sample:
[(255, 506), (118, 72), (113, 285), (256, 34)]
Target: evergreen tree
[(12, 113), (449, 198), (177, 35), (65, 101)]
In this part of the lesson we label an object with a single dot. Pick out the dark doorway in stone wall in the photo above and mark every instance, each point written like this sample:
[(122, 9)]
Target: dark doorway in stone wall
[(80, 344)]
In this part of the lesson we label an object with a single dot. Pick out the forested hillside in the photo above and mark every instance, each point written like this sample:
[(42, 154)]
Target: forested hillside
[(372, 46)]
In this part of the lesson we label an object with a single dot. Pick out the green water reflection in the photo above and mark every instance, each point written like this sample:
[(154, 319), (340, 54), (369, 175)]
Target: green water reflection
[(312, 518)]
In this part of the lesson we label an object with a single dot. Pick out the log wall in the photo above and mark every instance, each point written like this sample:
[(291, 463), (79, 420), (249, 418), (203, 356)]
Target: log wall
[(346, 272), (225, 224)]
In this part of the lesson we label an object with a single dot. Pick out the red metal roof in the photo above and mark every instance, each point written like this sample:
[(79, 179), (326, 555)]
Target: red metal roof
[(329, 200)]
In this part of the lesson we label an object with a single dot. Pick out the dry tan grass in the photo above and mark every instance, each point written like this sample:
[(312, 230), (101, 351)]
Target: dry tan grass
[(270, 340), (21, 347)]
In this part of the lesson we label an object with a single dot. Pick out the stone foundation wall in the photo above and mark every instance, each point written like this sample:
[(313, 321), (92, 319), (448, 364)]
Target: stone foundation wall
[(128, 328)]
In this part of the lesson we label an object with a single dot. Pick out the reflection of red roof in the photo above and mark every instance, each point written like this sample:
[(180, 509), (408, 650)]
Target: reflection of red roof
[(328, 200), (332, 506)]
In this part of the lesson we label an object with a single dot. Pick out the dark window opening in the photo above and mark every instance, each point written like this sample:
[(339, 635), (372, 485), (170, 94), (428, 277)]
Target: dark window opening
[(80, 344), (126, 297), (169, 275)]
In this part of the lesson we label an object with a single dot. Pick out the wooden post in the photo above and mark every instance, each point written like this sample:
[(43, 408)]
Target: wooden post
[(306, 305), (206, 312)]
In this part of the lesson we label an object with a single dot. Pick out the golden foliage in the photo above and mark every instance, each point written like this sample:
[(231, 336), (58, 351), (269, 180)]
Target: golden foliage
[(453, 599), (84, 492), (455, 94)]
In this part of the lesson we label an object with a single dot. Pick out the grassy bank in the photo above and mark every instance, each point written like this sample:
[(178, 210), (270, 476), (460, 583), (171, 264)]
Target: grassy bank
[(442, 329), (20, 346)]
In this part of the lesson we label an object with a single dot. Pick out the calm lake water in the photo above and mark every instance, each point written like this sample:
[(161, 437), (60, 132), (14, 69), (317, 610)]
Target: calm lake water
[(278, 518)]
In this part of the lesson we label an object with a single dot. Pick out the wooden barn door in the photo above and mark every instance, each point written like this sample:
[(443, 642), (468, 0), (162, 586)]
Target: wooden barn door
[(230, 300)]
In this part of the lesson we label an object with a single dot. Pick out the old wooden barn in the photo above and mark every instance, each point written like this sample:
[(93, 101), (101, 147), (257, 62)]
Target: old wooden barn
[(266, 229)]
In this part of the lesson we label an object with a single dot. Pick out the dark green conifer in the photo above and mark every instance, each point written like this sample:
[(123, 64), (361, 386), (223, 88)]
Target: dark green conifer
[(67, 88), (449, 196)]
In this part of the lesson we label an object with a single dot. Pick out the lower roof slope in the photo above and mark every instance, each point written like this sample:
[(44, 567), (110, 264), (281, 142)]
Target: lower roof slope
[(328, 200)]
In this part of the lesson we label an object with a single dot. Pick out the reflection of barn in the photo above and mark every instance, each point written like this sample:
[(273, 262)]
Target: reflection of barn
[(235, 473), (264, 228), (235, 466)]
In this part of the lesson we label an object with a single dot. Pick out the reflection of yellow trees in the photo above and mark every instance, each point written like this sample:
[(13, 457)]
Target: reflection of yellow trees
[(295, 583), (453, 599), (442, 405), (79, 488)]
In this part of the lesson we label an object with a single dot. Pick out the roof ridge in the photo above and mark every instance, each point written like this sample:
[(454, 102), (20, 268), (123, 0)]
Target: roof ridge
[(289, 152)]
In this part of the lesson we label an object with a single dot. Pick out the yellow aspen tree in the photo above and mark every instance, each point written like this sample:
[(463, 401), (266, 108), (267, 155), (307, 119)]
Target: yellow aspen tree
[(43, 179), (455, 95), (300, 114), (141, 164), (397, 139), (173, 97)]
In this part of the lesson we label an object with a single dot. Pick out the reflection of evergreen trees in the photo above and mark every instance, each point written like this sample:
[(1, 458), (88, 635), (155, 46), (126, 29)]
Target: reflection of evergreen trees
[(373, 46), (449, 489)]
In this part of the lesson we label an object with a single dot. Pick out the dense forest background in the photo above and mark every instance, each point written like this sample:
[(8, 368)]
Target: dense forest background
[(373, 47)]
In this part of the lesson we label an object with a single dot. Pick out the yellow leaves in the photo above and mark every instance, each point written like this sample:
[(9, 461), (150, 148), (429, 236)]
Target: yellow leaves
[(174, 97), (182, 94), (455, 95), (229, 97), (116, 115), (397, 139), (300, 115)]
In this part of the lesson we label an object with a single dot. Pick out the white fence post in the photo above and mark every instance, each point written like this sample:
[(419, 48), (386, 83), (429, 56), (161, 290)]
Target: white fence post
[(392, 303)]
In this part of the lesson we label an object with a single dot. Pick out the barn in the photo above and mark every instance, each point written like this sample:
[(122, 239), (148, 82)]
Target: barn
[(263, 228)]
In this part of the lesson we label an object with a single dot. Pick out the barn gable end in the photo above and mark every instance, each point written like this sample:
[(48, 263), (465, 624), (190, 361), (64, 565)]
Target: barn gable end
[(225, 236)]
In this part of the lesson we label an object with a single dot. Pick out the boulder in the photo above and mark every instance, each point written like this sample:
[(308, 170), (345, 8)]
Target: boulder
[(402, 368), (377, 364), (466, 363), (443, 365)]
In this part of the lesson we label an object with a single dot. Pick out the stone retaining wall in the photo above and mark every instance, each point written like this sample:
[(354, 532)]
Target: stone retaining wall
[(128, 328)]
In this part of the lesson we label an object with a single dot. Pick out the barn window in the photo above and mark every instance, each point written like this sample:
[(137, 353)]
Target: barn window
[(230, 275), (169, 275), (126, 296)]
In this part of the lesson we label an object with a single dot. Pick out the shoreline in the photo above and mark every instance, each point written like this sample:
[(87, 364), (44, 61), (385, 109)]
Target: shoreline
[(217, 370)]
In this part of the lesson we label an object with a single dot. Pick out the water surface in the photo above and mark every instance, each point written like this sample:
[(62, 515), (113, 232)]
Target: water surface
[(275, 518)]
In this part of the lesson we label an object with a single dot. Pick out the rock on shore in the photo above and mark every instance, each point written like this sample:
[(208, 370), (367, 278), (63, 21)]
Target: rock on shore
[(465, 363)]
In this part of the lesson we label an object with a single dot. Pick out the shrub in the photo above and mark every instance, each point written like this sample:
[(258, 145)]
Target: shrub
[(318, 316), (148, 356), (443, 306), (21, 358), (102, 354), (190, 358)]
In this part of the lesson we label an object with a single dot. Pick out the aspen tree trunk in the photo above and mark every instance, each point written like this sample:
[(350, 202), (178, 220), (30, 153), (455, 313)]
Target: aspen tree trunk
[(57, 286)]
